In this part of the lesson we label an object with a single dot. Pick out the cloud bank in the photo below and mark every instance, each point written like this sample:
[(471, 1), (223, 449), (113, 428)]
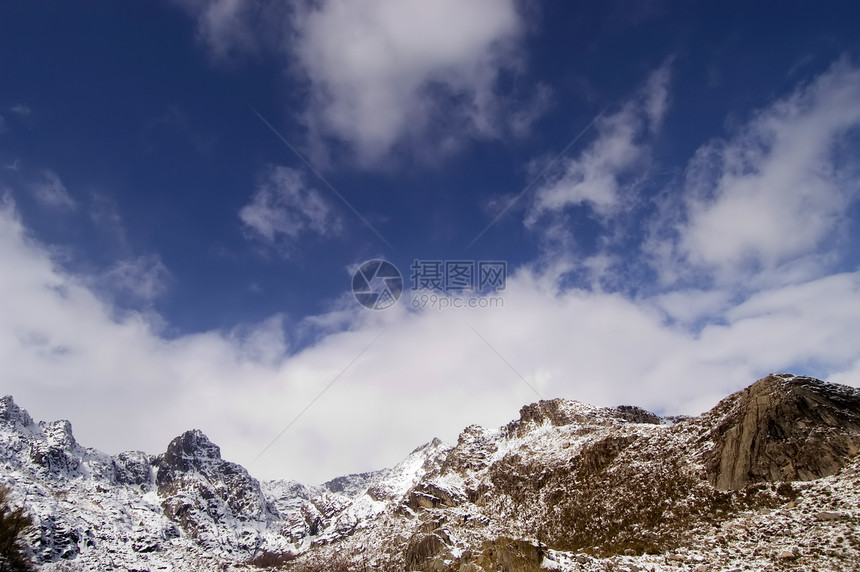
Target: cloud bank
[(739, 298)]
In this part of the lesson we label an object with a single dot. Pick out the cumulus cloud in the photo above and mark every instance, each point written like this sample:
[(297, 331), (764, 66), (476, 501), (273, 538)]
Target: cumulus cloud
[(51, 192), (68, 353), (778, 189), (380, 71), (417, 74), (609, 168), (283, 208)]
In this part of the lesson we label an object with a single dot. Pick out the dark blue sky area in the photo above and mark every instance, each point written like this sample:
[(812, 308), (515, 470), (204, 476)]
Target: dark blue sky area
[(156, 143)]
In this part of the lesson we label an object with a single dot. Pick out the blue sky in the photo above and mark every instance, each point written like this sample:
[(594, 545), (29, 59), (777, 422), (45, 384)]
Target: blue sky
[(169, 262)]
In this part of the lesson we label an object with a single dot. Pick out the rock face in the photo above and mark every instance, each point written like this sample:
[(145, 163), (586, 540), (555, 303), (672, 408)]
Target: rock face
[(771, 470), (784, 428), (213, 501), (12, 415), (569, 486)]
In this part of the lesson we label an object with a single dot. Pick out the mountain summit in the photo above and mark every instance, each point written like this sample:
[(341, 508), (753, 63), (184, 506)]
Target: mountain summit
[(769, 478), (783, 428)]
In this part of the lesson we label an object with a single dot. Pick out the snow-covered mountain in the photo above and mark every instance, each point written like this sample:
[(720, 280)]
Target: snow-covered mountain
[(768, 479)]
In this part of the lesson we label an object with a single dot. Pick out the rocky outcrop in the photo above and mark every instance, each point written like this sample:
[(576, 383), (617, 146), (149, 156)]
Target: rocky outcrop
[(567, 485), (561, 412), (622, 481), (556, 412), (509, 554), (57, 452), (133, 468), (203, 493), (635, 414), (12, 415), (422, 548), (783, 428), (352, 485)]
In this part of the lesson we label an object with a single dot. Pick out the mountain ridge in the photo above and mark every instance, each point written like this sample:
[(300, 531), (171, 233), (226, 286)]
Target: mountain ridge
[(566, 485)]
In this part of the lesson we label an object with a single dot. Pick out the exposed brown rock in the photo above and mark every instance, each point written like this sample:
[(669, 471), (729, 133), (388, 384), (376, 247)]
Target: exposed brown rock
[(510, 555), (783, 428), (422, 549), (635, 414)]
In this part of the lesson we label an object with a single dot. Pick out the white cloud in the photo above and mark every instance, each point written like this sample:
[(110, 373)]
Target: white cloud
[(775, 191), (283, 208), (415, 74), (225, 27), (263, 343), (142, 277), (849, 376), (69, 354), (608, 169), (687, 307), (656, 96), (381, 71), (51, 192)]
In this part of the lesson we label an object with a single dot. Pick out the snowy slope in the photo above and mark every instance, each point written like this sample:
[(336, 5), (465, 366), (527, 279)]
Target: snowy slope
[(769, 479)]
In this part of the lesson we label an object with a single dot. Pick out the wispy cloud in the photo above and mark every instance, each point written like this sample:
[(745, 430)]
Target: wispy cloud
[(21, 110), (227, 27), (66, 348), (765, 205), (284, 207), (422, 76), (601, 175), (773, 193), (105, 215), (143, 277), (51, 192)]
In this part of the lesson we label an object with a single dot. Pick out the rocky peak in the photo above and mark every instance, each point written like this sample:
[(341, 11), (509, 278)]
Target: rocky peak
[(782, 428), (191, 450), (13, 415), (472, 434), (589, 482), (427, 447), (193, 444), (201, 492), (352, 485), (557, 413), (634, 414), (58, 434)]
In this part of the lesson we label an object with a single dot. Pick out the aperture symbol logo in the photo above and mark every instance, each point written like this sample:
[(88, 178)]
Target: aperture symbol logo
[(377, 284)]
